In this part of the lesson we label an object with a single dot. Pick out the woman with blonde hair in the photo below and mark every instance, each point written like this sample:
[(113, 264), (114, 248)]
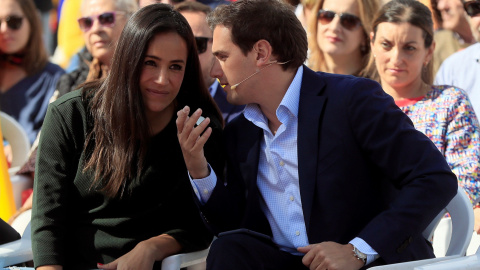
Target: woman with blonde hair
[(338, 35)]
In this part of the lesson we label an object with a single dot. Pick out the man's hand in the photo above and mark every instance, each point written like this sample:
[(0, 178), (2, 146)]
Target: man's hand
[(331, 256), (192, 141)]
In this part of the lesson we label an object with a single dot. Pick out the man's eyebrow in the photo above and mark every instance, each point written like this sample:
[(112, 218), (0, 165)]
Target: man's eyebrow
[(216, 53)]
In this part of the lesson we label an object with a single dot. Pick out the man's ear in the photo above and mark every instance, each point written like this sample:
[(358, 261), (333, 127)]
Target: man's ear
[(263, 52)]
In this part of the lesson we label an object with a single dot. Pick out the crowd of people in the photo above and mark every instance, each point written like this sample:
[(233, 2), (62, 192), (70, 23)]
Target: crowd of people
[(303, 135)]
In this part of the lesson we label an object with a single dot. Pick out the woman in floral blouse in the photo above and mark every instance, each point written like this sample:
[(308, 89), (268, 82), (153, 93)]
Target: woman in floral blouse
[(402, 46)]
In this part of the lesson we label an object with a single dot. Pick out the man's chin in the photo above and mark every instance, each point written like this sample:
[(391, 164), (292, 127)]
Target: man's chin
[(234, 100)]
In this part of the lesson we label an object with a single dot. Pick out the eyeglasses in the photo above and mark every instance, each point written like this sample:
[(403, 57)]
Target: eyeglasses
[(202, 43), (472, 8), (347, 20), (105, 19), (13, 22)]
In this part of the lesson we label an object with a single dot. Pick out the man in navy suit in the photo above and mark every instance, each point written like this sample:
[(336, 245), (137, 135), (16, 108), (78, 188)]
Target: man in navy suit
[(323, 171), (196, 15)]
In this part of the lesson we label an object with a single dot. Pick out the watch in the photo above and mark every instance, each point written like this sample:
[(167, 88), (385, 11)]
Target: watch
[(359, 255)]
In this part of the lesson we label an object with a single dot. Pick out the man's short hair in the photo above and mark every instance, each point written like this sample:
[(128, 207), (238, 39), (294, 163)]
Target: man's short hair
[(273, 20), (193, 7)]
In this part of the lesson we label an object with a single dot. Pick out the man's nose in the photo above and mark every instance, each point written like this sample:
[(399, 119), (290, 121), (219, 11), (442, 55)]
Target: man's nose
[(216, 71)]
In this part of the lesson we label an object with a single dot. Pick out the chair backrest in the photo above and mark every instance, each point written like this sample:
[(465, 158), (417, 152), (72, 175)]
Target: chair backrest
[(27, 234), (462, 221), (17, 137), (458, 230), (21, 223)]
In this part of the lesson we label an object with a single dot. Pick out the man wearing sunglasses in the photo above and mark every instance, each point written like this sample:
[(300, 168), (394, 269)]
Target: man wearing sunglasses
[(196, 15), (462, 69), (323, 170)]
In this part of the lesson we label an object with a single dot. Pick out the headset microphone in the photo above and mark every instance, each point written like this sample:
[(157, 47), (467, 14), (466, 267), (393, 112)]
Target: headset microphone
[(233, 87)]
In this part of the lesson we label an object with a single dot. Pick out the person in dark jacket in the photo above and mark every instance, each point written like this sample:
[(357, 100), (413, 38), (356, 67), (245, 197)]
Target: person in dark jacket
[(111, 186)]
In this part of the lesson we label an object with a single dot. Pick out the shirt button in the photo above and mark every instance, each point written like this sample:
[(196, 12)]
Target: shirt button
[(297, 233), (196, 190), (291, 198), (282, 163), (205, 191)]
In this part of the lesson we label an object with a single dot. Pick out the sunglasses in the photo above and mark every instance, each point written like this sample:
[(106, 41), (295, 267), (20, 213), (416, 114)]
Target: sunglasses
[(202, 43), (347, 20), (13, 22), (105, 19), (472, 8)]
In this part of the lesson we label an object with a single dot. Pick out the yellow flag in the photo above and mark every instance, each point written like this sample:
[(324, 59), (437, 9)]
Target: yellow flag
[(7, 203)]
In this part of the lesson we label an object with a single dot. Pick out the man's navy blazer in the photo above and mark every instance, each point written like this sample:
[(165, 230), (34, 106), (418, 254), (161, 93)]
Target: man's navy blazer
[(364, 171)]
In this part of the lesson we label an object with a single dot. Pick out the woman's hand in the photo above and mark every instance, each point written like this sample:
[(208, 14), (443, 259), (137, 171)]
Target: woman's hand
[(145, 253), (192, 141), (141, 258)]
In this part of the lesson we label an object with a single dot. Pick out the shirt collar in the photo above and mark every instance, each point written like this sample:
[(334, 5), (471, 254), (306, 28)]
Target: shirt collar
[(290, 101), (213, 88)]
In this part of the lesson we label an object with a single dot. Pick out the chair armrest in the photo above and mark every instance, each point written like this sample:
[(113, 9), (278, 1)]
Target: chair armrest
[(15, 252), (175, 262), (468, 262), (413, 264)]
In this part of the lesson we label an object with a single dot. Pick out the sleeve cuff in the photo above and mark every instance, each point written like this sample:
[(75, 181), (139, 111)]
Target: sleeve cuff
[(203, 187), (363, 247)]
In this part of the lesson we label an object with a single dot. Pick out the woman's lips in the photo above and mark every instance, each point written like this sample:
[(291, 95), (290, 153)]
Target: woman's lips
[(395, 70), (333, 39), (157, 92)]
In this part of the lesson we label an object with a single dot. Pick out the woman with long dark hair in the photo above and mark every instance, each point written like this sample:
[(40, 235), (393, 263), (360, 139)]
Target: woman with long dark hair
[(111, 184)]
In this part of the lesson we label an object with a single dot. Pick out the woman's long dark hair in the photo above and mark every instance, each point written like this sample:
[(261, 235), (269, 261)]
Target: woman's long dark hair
[(120, 133)]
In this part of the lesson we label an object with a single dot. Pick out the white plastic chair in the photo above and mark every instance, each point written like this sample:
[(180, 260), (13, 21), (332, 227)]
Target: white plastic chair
[(22, 221), (18, 251), (464, 263), (454, 233), (18, 139), (193, 260)]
